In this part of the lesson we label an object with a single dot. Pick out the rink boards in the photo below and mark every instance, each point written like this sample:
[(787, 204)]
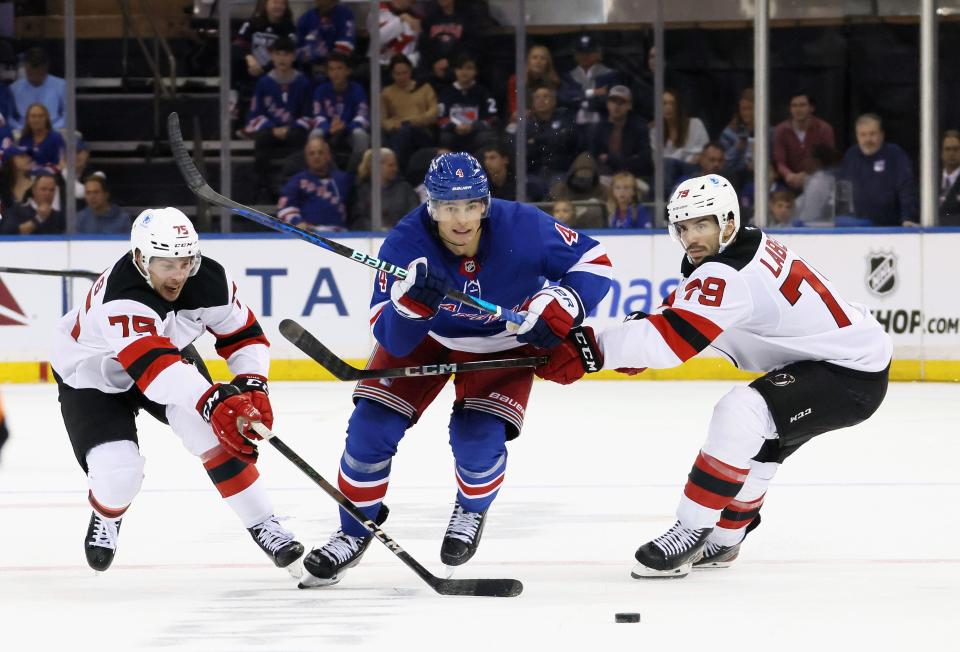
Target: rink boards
[(900, 274)]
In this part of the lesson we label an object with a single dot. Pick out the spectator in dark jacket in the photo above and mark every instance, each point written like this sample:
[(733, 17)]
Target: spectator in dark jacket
[(949, 194), (36, 216), (584, 89), (397, 197), (582, 182), (881, 177), (448, 29), (466, 110), (551, 139), (622, 141), (101, 215)]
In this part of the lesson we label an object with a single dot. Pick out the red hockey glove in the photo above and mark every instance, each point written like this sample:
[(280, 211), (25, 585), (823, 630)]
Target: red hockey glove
[(230, 414), (550, 314), (418, 296), (575, 356), (255, 388)]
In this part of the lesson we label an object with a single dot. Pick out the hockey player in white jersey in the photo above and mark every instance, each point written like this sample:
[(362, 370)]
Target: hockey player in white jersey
[(127, 347), (826, 363)]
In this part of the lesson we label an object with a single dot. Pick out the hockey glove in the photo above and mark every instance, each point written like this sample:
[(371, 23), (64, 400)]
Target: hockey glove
[(254, 387), (418, 296), (548, 317), (575, 356), (230, 414)]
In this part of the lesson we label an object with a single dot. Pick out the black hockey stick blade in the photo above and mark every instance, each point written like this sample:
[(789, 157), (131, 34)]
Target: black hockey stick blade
[(494, 588), (67, 273), (487, 588), (306, 342)]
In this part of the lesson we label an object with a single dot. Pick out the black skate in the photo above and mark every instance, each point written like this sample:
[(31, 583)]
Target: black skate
[(462, 537), (717, 556), (279, 544), (326, 565), (101, 542), (671, 554)]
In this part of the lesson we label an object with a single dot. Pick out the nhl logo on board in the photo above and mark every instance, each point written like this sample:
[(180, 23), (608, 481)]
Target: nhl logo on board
[(881, 272), (780, 380)]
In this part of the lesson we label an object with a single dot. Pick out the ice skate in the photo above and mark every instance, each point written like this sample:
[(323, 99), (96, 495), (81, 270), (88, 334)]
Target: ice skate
[(325, 566), (462, 537), (720, 556), (101, 543), (279, 544), (671, 554)]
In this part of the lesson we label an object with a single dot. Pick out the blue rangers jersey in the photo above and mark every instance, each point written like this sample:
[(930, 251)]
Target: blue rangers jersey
[(319, 35), (279, 104), (351, 105), (309, 201), (521, 250)]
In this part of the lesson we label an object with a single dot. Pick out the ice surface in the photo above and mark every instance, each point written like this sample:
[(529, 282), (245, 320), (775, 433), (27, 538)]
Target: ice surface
[(858, 547)]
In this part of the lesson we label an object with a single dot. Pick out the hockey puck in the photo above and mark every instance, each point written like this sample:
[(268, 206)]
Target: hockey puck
[(627, 618)]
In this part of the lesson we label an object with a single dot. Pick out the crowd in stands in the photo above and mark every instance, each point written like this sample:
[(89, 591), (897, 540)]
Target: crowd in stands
[(589, 132), (33, 165)]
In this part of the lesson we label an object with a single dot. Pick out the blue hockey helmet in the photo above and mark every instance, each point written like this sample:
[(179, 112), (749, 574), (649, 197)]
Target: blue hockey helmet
[(456, 176)]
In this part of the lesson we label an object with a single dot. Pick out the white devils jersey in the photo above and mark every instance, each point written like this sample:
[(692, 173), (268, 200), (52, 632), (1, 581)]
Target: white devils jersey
[(761, 306), (125, 333)]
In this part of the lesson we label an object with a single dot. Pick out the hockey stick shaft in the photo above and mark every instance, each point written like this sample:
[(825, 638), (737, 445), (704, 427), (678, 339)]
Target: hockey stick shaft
[(68, 273), (493, 587), (202, 189), (306, 342)]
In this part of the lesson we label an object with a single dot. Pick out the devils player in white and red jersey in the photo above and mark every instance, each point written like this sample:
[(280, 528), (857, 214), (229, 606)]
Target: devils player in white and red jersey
[(826, 363), (127, 346)]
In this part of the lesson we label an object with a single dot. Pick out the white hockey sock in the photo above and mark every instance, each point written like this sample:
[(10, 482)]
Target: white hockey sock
[(252, 505), (114, 476)]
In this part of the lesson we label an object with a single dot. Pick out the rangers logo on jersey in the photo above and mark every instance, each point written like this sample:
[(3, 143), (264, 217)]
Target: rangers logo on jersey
[(881, 272)]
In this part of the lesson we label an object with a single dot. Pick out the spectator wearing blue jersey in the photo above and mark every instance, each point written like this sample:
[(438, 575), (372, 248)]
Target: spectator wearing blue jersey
[(502, 251), (624, 207), (466, 110), (341, 111), (45, 146), (881, 176), (279, 118), (316, 198), (38, 86), (101, 215), (328, 27)]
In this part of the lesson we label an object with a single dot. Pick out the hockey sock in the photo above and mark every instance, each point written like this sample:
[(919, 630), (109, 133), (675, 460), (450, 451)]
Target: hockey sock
[(711, 486), (365, 484), (114, 476), (238, 484), (736, 517), (478, 440)]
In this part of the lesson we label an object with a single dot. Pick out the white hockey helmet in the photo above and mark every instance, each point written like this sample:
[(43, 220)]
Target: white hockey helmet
[(710, 194), (164, 233)]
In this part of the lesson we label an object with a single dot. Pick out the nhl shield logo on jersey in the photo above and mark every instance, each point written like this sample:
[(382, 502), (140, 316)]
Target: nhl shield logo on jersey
[(881, 272)]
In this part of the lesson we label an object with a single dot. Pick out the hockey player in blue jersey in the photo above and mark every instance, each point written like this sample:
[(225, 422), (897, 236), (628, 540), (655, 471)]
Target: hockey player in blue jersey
[(504, 252)]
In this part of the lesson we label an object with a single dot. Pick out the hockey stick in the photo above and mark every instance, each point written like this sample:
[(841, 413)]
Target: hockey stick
[(69, 273), (496, 588), (306, 342), (202, 189)]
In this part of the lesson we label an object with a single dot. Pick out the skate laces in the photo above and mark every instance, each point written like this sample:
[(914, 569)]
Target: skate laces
[(341, 547), (104, 534), (271, 535), (463, 524), (677, 539), (712, 548)]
